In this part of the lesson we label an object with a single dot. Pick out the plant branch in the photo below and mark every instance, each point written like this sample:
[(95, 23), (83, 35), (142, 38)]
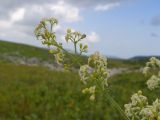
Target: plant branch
[(116, 105)]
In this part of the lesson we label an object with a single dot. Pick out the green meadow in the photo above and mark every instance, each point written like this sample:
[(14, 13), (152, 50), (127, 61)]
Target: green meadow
[(38, 93)]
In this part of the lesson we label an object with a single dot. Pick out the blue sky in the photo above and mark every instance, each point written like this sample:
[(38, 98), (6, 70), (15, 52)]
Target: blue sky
[(120, 28), (126, 31)]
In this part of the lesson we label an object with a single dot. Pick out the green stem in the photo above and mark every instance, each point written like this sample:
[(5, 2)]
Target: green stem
[(75, 48), (76, 60), (51, 29), (116, 105)]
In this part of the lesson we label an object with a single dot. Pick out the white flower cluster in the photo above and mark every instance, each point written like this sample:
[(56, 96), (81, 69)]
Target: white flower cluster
[(95, 72), (138, 102), (90, 90), (84, 73), (139, 109), (151, 112), (154, 81)]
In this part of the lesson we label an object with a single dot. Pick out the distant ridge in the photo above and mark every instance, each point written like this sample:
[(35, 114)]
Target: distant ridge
[(15, 45), (143, 57)]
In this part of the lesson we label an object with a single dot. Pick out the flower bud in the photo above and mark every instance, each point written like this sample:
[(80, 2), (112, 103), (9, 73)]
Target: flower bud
[(92, 97), (69, 30), (86, 90), (83, 36)]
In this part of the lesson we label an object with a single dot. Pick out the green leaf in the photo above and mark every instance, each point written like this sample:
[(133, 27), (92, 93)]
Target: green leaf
[(81, 46), (52, 51), (85, 47)]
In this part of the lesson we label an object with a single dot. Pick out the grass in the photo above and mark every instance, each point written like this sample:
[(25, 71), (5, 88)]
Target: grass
[(126, 63), (22, 50), (36, 93)]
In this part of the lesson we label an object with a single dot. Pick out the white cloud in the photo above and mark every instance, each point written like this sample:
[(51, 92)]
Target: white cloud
[(21, 21), (5, 24), (93, 37), (105, 7), (18, 15), (15, 16), (70, 13)]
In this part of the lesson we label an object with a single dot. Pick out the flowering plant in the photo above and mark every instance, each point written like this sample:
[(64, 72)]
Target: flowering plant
[(95, 73), (139, 109)]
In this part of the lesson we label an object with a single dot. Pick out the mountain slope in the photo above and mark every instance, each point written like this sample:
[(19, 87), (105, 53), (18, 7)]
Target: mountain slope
[(20, 53)]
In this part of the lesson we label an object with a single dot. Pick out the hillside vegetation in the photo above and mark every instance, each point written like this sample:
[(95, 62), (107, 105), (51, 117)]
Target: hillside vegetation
[(37, 93), (9, 51)]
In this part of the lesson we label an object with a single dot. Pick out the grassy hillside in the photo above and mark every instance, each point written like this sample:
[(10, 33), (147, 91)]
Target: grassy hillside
[(22, 50), (27, 51), (15, 52)]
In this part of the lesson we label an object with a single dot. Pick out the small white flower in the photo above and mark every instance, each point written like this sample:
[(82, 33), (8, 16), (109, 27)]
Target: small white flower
[(146, 113), (92, 89), (146, 70), (138, 102), (153, 82), (151, 112), (84, 73), (92, 97), (139, 108)]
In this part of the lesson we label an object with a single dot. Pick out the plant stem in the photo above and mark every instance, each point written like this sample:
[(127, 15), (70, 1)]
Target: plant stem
[(116, 105), (76, 60), (75, 47)]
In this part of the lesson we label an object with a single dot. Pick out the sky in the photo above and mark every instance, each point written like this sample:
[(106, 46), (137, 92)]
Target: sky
[(119, 28)]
